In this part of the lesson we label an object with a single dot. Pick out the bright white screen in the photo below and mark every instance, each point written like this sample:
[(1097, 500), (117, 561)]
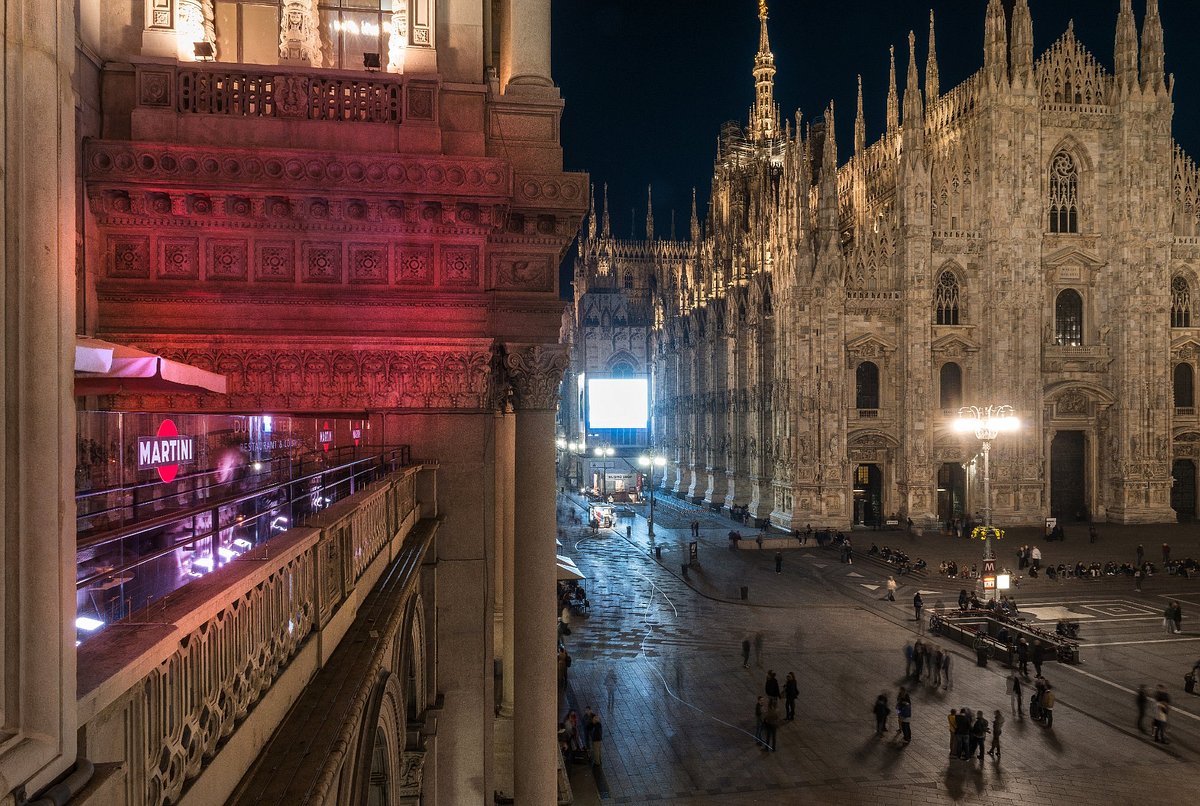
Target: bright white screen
[(618, 402)]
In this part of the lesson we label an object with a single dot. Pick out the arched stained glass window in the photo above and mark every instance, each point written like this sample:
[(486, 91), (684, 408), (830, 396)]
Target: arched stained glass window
[(1185, 386), (629, 279), (1068, 319), (867, 386), (1181, 302), (946, 299), (1064, 194), (950, 386)]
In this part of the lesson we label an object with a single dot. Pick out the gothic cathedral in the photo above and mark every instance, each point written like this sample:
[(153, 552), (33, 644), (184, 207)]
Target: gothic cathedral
[(1030, 237)]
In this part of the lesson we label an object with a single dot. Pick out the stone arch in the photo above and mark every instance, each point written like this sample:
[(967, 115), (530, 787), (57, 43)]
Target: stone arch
[(949, 282), (376, 775)]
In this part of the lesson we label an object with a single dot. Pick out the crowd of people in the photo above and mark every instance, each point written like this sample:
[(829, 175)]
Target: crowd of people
[(898, 558)]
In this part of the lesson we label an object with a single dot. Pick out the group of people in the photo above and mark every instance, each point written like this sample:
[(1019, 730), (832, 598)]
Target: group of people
[(927, 662), (1173, 618), (1162, 709), (766, 709), (583, 735), (898, 558), (903, 714), (968, 735)]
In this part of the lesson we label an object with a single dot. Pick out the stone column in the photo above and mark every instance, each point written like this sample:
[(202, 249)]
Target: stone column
[(37, 481), (525, 44), (300, 34), (506, 435), (535, 372)]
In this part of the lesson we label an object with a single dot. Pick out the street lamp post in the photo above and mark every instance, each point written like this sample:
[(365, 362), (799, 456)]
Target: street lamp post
[(987, 423), (604, 452), (651, 461)]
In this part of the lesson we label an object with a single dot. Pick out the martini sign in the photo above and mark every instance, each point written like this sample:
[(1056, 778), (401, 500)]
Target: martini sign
[(166, 451)]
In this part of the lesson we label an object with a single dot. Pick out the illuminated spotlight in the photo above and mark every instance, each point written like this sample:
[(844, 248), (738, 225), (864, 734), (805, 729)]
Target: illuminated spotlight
[(88, 624), (226, 553), (243, 545), (204, 51), (258, 466)]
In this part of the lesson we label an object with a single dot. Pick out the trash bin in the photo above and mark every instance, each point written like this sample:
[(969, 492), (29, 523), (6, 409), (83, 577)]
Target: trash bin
[(683, 569), (628, 530), (745, 592), (658, 552)]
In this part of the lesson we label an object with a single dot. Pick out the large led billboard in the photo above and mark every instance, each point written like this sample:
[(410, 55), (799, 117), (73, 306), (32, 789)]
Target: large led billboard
[(618, 402)]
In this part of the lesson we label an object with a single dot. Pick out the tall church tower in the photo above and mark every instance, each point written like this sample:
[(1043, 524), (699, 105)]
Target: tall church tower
[(766, 115)]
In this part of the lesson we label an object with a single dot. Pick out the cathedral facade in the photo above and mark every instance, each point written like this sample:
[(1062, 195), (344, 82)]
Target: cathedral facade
[(1028, 238)]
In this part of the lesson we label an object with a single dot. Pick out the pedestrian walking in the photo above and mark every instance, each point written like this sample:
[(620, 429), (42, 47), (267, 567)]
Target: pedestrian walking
[(760, 712), (1169, 619), (1141, 555), (770, 726), (759, 541), (938, 658), (1137, 579), (1143, 700), (946, 671), (597, 739), (881, 711), (953, 722), (758, 648), (585, 727), (1035, 555), (891, 589), (979, 732), (1177, 616), (778, 562), (1013, 686), (909, 653), (918, 606), (610, 685), (997, 724), (1047, 704), (962, 599), (791, 690), (1161, 709), (904, 713), (1166, 552), (1037, 656), (746, 652)]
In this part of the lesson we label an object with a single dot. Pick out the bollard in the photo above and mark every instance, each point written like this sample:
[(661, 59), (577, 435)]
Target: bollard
[(683, 569), (658, 553), (628, 530), (745, 593)]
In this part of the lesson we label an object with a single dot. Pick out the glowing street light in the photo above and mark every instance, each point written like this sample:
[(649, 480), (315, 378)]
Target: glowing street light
[(987, 423), (651, 461), (604, 453)]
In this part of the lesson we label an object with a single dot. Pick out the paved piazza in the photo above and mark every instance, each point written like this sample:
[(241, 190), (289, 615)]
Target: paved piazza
[(660, 659)]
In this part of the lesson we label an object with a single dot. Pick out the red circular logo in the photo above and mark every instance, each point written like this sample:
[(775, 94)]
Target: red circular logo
[(168, 472)]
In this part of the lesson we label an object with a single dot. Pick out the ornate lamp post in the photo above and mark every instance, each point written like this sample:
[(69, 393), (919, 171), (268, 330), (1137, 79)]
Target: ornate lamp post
[(987, 423), (651, 461)]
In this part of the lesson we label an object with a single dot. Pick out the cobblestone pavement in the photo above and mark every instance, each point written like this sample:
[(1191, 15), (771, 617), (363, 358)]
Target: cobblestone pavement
[(659, 657)]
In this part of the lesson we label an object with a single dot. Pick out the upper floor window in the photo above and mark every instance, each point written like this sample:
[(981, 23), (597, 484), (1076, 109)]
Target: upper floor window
[(248, 31), (1068, 319), (866, 386), (946, 299), (629, 279), (1181, 302), (1185, 388), (950, 386), (1064, 194)]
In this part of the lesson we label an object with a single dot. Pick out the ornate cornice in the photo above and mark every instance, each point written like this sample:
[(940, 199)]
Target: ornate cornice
[(535, 371), (301, 170)]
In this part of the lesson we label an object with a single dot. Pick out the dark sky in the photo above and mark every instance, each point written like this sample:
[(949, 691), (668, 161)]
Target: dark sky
[(647, 83)]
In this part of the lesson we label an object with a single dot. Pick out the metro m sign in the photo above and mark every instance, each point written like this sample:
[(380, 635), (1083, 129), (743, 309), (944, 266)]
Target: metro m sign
[(166, 451)]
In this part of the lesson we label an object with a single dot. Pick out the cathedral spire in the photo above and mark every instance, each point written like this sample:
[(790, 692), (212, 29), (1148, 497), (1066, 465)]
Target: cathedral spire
[(1126, 49), (932, 82), (592, 212), (914, 109), (605, 229), (995, 43), (1152, 49), (828, 205), (893, 100), (1022, 43), (649, 214), (765, 121), (860, 125), (695, 219)]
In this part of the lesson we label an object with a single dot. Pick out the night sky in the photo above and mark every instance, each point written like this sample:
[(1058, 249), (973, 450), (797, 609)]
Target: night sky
[(647, 83)]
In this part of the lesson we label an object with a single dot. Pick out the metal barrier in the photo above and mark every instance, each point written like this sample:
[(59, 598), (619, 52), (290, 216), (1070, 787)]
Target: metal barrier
[(968, 626)]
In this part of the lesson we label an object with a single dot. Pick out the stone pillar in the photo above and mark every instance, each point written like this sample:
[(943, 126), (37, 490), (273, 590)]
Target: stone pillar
[(37, 481), (194, 24), (300, 34), (506, 479), (535, 372), (525, 44)]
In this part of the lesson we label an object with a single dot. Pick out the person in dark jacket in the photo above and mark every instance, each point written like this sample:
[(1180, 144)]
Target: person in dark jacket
[(979, 732), (962, 732), (790, 692), (597, 739), (1023, 656), (772, 688), (904, 713), (881, 714)]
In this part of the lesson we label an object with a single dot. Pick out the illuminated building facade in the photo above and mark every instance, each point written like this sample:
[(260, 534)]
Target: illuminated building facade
[(354, 211), (1028, 237)]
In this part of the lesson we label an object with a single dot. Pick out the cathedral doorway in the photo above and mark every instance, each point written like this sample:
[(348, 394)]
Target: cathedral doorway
[(952, 491), (1068, 476), (1183, 490), (868, 495)]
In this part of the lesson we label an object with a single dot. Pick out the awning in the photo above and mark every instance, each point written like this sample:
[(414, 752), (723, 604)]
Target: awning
[(568, 572), (105, 368)]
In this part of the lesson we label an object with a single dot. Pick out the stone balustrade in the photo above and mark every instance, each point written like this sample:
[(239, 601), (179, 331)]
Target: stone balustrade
[(173, 694)]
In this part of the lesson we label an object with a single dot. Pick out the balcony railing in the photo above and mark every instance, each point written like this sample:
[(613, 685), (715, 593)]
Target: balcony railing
[(1185, 411)]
